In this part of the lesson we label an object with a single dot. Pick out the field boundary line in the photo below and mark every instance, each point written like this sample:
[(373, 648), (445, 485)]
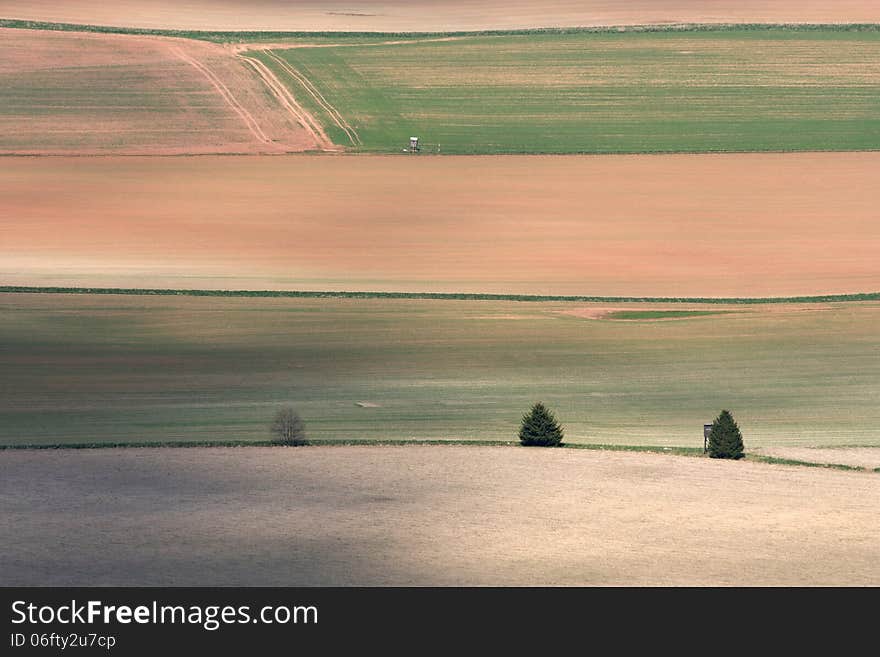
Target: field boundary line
[(440, 296), (233, 36), (224, 91), (287, 100), (337, 118), (687, 452), (256, 45)]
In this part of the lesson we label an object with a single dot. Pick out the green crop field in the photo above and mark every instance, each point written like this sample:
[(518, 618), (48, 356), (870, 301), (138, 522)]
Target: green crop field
[(720, 90), (108, 368), (661, 314)]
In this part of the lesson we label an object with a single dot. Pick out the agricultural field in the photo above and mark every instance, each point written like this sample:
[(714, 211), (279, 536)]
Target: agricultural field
[(432, 15), (696, 91), (92, 94), (107, 368), (699, 90), (669, 164), (867, 458), (745, 225), (428, 516)]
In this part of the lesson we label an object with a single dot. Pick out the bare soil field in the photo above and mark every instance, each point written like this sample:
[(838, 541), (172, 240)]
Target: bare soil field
[(428, 516), (432, 15), (673, 225), (83, 93), (861, 457)]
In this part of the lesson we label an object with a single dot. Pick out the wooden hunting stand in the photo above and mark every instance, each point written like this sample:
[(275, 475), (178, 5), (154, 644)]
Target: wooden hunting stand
[(707, 429)]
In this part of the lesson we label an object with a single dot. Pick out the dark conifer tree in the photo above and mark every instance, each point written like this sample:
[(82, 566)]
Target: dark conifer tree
[(725, 439), (540, 428)]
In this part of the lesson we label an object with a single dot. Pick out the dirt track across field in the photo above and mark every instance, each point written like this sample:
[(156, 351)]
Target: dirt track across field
[(428, 516), (288, 101), (319, 98), (86, 94), (656, 225), (433, 15)]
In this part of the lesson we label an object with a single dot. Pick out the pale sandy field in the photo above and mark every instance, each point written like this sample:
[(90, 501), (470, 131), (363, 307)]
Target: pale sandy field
[(433, 15), (673, 225), (97, 94), (861, 457), (429, 516)]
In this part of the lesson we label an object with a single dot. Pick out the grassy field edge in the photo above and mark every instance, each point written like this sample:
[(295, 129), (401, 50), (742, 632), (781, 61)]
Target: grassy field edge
[(440, 296), (692, 452), (229, 36)]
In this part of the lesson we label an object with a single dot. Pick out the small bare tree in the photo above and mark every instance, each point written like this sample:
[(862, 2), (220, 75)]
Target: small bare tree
[(288, 428)]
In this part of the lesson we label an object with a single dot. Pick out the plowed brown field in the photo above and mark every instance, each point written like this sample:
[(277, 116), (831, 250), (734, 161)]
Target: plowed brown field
[(82, 93), (433, 15), (672, 225)]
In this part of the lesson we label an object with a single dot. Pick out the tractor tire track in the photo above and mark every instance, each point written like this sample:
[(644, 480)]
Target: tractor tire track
[(334, 114), (306, 120), (227, 95)]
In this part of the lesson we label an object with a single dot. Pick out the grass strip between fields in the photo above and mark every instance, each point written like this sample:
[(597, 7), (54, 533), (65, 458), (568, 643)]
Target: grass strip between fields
[(233, 36), (692, 452), (441, 296), (663, 314)]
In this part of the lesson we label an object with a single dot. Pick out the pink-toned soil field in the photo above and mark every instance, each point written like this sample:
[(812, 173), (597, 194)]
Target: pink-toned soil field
[(432, 15), (673, 225), (429, 516), (83, 93)]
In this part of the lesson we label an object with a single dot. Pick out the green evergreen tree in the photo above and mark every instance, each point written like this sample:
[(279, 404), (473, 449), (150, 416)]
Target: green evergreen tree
[(540, 428), (725, 440)]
